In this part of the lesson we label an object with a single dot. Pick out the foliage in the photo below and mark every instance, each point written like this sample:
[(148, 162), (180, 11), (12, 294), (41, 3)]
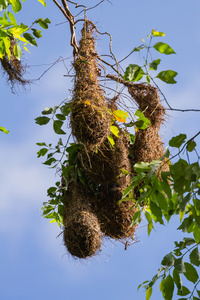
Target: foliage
[(20, 32), (176, 193), (134, 72), (161, 194)]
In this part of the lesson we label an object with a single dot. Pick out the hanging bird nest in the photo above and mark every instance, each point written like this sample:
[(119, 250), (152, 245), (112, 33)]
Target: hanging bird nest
[(147, 98), (115, 218), (12, 67), (148, 144), (82, 233), (106, 164), (90, 120)]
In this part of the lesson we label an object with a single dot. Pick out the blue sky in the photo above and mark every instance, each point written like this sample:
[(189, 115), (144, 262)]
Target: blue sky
[(34, 263)]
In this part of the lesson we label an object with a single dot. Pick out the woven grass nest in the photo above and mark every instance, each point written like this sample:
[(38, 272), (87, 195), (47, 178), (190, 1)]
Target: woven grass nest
[(148, 143), (90, 120), (92, 211), (13, 67), (105, 165), (82, 234), (115, 218)]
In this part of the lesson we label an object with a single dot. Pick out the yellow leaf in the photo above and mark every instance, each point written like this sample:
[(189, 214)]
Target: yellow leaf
[(87, 102), (136, 129), (114, 130), (120, 115), (120, 119), (112, 142), (181, 214), (157, 33), (26, 49)]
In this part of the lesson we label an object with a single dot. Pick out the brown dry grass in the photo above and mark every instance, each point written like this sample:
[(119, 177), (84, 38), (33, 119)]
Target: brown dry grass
[(90, 120), (82, 233), (13, 68)]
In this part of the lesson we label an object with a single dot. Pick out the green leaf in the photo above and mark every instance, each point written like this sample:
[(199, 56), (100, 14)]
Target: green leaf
[(4, 3), (66, 108), (41, 144), (49, 161), (149, 227), (16, 5), (134, 182), (164, 48), (2, 48), (186, 224), (167, 287), (42, 120), (191, 273), (17, 51), (141, 167), (60, 117), (168, 260), (167, 76), (111, 140), (47, 111), (3, 129), (156, 212), (191, 145), (181, 185), (196, 233), (12, 18), (178, 140), (132, 138), (179, 265), (136, 218), (157, 33), (148, 293), (137, 49), (133, 73), (188, 241), (154, 64), (7, 46), (142, 117), (57, 127), (195, 298), (43, 23), (195, 257), (51, 190), (177, 279), (42, 152), (183, 291), (30, 38), (36, 33), (114, 130), (148, 79)]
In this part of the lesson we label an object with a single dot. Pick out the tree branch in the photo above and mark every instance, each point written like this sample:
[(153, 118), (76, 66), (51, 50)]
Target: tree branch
[(68, 15)]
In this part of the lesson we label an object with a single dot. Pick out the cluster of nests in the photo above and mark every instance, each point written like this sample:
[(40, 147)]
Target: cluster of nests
[(12, 66), (92, 210)]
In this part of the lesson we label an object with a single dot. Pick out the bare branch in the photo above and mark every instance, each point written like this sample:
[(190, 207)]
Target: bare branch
[(68, 15)]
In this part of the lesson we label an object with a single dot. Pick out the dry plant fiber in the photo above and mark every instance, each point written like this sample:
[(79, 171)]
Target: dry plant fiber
[(90, 120), (82, 233), (115, 218), (105, 165)]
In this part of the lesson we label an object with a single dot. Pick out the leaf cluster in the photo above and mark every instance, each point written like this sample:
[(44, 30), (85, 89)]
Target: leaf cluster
[(135, 72)]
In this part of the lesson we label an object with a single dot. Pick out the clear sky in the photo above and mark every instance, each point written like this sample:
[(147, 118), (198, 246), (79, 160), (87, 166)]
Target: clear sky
[(34, 263)]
